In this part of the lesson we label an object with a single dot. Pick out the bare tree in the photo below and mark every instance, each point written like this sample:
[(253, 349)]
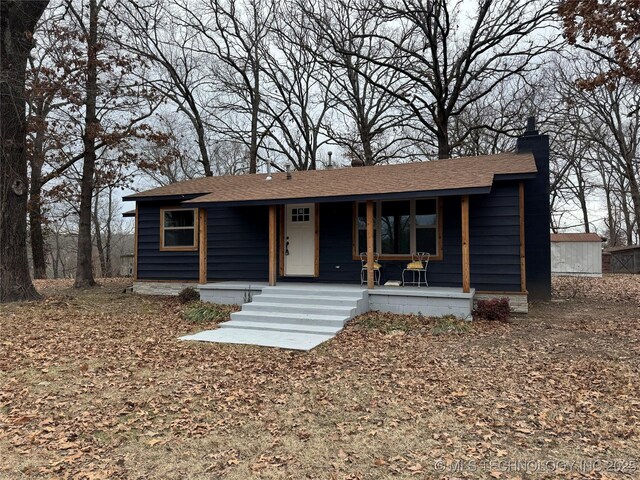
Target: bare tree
[(235, 33), (296, 95), (160, 34), (366, 121), (18, 20), (453, 66), (611, 120)]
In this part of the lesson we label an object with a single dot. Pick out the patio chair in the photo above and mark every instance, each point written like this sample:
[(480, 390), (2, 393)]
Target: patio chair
[(376, 268), (418, 266)]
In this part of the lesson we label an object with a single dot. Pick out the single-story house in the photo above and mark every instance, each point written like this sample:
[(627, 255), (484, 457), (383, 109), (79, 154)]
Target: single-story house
[(577, 254), (484, 221)]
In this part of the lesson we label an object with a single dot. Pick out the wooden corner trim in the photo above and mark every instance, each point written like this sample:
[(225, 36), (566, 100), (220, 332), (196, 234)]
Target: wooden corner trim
[(202, 231), (523, 256), (466, 263)]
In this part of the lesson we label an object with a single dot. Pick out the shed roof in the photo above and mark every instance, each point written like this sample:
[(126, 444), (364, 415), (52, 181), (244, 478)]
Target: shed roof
[(433, 176), (625, 248), (576, 237)]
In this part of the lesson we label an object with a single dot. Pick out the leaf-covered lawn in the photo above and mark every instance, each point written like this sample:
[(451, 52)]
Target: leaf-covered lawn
[(94, 385)]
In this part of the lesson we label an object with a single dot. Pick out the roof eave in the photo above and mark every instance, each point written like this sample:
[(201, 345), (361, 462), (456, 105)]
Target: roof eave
[(150, 198), (346, 198)]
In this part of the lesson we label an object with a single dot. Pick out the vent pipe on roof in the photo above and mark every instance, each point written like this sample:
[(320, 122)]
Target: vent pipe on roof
[(288, 172), (269, 177), (329, 165)]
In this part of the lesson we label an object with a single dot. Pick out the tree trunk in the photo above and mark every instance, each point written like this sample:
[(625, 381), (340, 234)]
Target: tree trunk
[(38, 256), (634, 190), (84, 269), (627, 217), (98, 236), (202, 145), (253, 149), (17, 23), (444, 151), (108, 263)]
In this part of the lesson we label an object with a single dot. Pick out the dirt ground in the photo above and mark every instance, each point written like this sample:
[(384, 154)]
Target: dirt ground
[(93, 384)]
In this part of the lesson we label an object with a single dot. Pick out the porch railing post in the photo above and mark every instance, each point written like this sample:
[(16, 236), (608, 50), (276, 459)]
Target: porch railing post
[(466, 267), (370, 220), (272, 245)]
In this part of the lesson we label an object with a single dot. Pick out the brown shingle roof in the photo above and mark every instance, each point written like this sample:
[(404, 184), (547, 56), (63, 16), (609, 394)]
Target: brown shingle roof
[(575, 237), (438, 175)]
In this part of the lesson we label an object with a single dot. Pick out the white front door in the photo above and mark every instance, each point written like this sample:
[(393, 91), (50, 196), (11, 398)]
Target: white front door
[(300, 240)]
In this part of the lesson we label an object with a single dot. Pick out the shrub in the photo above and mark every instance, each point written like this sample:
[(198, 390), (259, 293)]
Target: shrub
[(189, 295), (496, 309), (200, 312)]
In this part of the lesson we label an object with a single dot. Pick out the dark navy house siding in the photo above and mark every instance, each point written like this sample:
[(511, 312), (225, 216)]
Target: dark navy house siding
[(238, 243), (494, 239), (154, 264)]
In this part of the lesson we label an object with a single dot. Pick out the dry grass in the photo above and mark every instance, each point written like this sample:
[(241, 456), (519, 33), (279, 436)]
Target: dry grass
[(93, 384)]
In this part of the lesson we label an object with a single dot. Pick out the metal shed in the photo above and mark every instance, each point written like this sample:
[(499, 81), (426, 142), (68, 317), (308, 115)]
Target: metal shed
[(625, 259), (577, 254)]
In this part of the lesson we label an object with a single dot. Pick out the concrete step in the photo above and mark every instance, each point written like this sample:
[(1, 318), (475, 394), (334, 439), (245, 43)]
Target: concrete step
[(324, 291), (295, 316), (264, 338), (268, 317), (301, 309), (282, 327), (305, 299)]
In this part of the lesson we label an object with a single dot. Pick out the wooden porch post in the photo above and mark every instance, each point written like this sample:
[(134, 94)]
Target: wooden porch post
[(523, 263), (466, 267), (370, 220), (202, 226), (272, 245)]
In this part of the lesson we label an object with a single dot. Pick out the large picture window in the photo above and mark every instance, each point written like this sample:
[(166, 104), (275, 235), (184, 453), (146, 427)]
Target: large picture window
[(178, 229), (401, 227)]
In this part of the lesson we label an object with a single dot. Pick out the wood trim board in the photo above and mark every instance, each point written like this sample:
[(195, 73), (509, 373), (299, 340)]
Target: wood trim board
[(191, 248), (202, 231)]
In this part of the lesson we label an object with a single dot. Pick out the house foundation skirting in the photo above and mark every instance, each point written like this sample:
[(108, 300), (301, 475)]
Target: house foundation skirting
[(519, 302), (230, 293), (431, 301), (161, 288)]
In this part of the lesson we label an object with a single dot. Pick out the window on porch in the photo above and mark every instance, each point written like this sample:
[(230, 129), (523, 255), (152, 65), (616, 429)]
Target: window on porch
[(401, 227)]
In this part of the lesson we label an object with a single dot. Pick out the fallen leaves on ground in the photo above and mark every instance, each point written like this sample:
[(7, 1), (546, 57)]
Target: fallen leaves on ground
[(94, 384), (619, 288)]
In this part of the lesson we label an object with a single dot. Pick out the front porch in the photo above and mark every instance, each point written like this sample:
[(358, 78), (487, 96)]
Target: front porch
[(427, 301), (300, 316)]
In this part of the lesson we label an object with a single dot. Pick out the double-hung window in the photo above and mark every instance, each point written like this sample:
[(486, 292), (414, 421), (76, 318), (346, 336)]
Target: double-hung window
[(401, 227), (178, 229)]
